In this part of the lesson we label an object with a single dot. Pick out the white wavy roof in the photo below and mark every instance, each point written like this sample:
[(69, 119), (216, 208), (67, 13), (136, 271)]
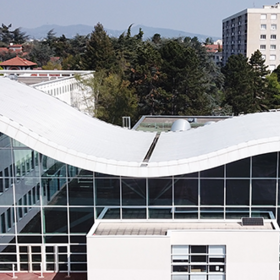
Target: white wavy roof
[(57, 130)]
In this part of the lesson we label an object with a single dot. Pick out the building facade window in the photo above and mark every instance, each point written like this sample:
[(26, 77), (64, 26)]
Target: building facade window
[(273, 26), (273, 47), (56, 204), (273, 16), (263, 26), (198, 262), (272, 57), (273, 36), (263, 16), (262, 47), (262, 36)]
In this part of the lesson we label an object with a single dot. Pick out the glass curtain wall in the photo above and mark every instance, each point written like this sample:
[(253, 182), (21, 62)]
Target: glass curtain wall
[(47, 207)]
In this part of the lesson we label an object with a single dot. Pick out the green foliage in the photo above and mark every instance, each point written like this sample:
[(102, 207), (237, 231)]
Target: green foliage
[(183, 80), (238, 84), (99, 53), (111, 96), (8, 36), (52, 65), (159, 75), (273, 91), (248, 88), (40, 53)]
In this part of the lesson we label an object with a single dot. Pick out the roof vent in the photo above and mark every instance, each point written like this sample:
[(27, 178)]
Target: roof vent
[(180, 125), (246, 221)]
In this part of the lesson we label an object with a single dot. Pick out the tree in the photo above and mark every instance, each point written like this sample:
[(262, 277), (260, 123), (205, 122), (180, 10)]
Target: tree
[(238, 84), (145, 78), (183, 80), (19, 37), (5, 34), (277, 72), (112, 97), (8, 36), (40, 53), (99, 53), (273, 92), (208, 41), (259, 83)]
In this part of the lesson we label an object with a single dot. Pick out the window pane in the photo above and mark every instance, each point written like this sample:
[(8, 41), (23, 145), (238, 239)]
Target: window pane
[(217, 172), (132, 213), (237, 192), (265, 165), (198, 249), (81, 191), (185, 191), (263, 192), (81, 219), (55, 220), (239, 169), (217, 250), (134, 192), (160, 213), (107, 191), (212, 192), (160, 191)]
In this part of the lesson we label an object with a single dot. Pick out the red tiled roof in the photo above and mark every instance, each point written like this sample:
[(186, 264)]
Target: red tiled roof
[(213, 48), (15, 46), (4, 50), (17, 61)]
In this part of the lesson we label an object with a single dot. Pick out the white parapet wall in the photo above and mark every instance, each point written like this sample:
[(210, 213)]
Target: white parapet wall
[(162, 250)]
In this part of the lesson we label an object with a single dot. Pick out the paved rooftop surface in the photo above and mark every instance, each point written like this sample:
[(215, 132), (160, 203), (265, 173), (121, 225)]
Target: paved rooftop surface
[(108, 228), (47, 276)]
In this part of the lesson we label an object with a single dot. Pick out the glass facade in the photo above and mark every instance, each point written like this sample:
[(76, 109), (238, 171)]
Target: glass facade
[(47, 207)]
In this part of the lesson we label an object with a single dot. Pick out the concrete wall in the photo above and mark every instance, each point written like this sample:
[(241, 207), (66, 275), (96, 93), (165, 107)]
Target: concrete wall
[(129, 258), (249, 254)]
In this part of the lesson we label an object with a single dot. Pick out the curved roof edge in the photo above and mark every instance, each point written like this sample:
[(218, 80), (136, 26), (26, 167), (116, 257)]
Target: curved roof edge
[(56, 130), (134, 169)]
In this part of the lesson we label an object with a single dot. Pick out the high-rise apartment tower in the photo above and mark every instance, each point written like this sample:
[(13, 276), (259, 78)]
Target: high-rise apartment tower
[(251, 30)]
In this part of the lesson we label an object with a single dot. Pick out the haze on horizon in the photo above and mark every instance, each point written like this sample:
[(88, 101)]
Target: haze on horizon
[(200, 17)]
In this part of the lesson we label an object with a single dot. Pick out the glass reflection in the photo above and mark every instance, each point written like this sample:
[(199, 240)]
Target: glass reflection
[(160, 191), (185, 191), (217, 172), (55, 220), (265, 165), (5, 141), (212, 192), (263, 192), (107, 191), (237, 192), (81, 219), (81, 191), (238, 169), (133, 192)]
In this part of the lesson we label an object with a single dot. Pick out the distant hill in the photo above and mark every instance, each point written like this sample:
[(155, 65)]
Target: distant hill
[(71, 30)]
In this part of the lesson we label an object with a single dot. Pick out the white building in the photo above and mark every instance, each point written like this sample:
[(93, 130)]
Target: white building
[(212, 250), (80, 195), (251, 30)]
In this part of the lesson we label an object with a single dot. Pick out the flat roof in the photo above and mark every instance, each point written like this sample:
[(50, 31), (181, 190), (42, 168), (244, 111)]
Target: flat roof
[(161, 228)]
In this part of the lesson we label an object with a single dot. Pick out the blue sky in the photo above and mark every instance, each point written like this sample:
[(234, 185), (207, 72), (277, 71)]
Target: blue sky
[(197, 16)]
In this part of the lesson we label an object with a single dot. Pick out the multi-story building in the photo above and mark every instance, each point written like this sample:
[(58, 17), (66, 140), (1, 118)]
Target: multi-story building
[(80, 195), (251, 30)]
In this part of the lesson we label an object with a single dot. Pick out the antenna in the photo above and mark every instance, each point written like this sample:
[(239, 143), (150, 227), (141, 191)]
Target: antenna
[(254, 4)]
